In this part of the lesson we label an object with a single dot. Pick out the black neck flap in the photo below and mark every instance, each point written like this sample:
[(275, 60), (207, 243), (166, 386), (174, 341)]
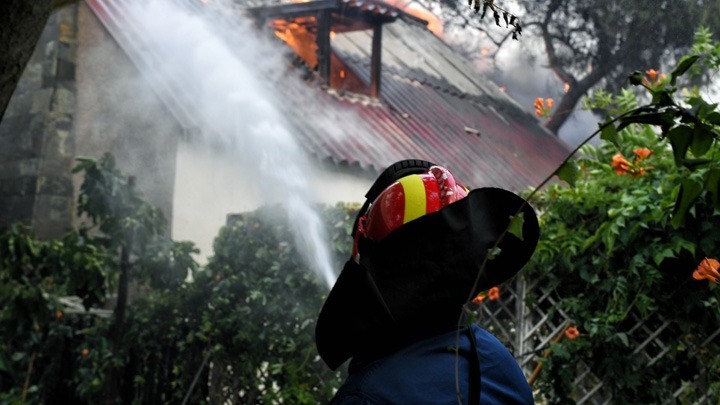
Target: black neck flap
[(412, 285)]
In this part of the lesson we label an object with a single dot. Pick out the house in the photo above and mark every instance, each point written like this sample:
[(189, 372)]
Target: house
[(217, 108)]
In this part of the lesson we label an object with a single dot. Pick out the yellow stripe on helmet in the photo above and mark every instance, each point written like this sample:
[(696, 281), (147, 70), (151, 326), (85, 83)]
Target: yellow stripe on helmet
[(415, 199)]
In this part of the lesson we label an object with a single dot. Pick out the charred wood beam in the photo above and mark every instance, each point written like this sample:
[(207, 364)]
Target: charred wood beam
[(345, 11), (292, 10), (323, 44), (376, 61)]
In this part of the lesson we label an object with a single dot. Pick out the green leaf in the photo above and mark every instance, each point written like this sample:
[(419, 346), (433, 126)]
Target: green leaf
[(609, 133), (713, 118), (702, 140), (516, 225), (662, 98), (652, 118), (679, 244), (493, 253), (636, 77), (661, 255), (3, 363), (568, 172), (591, 278), (680, 138), (623, 338), (694, 164), (712, 184), (685, 63), (689, 192), (701, 108), (84, 164)]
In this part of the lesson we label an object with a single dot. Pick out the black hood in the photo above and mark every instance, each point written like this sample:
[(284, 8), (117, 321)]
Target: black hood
[(413, 284)]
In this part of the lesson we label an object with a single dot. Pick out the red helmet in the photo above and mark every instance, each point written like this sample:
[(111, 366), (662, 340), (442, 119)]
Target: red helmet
[(407, 199)]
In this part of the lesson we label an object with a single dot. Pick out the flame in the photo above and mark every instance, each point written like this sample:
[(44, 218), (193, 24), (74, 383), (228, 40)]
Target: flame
[(435, 25), (298, 38)]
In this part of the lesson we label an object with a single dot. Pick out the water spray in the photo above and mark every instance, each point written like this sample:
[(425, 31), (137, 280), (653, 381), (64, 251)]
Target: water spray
[(222, 79)]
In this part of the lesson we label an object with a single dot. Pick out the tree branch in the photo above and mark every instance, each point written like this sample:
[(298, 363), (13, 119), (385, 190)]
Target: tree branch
[(553, 59), (567, 104)]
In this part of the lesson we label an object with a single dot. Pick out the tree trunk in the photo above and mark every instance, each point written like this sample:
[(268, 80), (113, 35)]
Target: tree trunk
[(567, 103), (114, 376)]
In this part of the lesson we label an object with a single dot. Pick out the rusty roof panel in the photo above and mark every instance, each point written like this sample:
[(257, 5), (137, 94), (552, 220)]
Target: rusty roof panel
[(433, 105)]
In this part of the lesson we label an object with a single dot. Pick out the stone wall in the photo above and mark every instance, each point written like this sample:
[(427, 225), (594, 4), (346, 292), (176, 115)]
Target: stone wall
[(80, 95), (36, 142)]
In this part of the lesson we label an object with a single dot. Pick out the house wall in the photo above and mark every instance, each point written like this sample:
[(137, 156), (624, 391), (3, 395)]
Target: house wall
[(117, 112), (212, 183), (82, 96)]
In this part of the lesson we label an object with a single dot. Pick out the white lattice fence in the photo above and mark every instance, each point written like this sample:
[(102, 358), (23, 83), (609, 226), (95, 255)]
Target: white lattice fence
[(528, 332)]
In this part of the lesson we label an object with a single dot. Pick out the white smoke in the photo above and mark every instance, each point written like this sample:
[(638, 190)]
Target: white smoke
[(220, 70)]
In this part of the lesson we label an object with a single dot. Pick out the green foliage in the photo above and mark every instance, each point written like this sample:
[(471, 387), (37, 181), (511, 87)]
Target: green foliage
[(612, 259), (250, 312), (33, 325), (704, 45), (691, 126), (242, 329), (265, 300), (113, 204), (618, 250)]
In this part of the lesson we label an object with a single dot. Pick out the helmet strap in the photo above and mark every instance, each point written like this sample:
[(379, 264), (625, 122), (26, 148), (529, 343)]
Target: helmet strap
[(358, 233)]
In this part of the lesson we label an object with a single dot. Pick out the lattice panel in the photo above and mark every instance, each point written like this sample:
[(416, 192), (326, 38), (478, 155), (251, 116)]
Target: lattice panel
[(528, 331)]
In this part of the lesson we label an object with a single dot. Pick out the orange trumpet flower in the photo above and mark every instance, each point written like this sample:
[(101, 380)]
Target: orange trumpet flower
[(572, 332), (642, 153), (620, 164), (543, 106), (708, 270)]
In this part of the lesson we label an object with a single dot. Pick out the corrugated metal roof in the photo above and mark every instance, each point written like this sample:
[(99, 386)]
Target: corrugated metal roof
[(433, 105)]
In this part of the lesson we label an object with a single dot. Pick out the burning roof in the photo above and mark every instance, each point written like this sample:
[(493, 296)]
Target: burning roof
[(432, 105)]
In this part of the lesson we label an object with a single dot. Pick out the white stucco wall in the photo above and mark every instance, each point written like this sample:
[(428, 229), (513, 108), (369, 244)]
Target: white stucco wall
[(117, 112), (333, 186), (212, 183)]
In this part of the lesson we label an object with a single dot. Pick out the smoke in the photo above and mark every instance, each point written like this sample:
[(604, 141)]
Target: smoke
[(527, 78), (220, 71), (523, 73)]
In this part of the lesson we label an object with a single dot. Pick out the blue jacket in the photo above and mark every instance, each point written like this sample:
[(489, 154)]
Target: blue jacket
[(424, 373)]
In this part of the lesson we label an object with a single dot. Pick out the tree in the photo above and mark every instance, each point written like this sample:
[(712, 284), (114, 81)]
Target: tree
[(590, 43), (123, 240), (241, 331), (260, 303)]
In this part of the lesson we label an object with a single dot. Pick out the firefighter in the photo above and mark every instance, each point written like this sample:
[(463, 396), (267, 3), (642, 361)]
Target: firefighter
[(396, 310)]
